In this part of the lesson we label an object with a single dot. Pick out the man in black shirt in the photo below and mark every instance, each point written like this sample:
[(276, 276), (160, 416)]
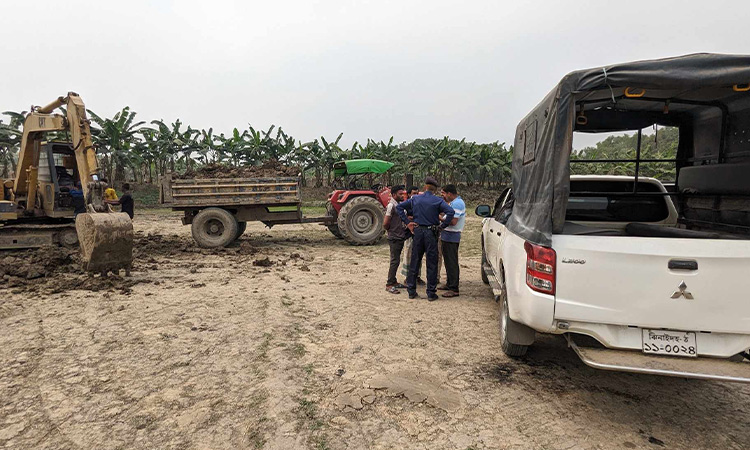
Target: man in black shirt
[(126, 201), (397, 234)]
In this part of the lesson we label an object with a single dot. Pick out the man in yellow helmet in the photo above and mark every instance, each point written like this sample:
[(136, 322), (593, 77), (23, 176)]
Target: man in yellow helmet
[(109, 194)]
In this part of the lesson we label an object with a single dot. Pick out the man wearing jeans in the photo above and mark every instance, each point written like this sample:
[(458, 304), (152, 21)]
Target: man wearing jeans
[(410, 192), (425, 211), (450, 238), (397, 235)]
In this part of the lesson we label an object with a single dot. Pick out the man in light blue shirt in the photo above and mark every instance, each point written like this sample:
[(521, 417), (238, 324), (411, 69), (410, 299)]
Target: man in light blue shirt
[(450, 237)]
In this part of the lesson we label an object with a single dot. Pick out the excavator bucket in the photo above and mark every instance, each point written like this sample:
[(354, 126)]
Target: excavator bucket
[(106, 241)]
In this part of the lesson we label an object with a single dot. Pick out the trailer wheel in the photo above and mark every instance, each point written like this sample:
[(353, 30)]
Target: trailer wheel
[(361, 221), (214, 227), (241, 227)]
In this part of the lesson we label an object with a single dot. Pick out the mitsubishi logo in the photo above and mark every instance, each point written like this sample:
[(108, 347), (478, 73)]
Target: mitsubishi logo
[(682, 292)]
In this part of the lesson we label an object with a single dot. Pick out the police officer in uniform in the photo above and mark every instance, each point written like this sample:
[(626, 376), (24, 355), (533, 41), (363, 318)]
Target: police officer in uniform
[(425, 209)]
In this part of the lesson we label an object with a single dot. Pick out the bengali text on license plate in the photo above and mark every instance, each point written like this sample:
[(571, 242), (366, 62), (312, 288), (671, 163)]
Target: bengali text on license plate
[(665, 342)]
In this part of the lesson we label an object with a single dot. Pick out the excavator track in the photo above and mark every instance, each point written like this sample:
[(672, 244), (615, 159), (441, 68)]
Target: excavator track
[(20, 236)]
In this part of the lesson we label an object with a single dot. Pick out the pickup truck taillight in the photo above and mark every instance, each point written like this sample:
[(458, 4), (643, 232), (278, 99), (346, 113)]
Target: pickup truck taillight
[(540, 268)]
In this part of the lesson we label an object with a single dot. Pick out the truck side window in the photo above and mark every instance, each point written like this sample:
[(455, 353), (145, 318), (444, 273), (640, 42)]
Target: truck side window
[(499, 202), (503, 213)]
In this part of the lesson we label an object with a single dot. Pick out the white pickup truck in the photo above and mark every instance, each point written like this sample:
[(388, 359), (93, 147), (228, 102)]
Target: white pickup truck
[(655, 297)]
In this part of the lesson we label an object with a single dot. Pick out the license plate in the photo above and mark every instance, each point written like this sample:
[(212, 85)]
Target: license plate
[(674, 343)]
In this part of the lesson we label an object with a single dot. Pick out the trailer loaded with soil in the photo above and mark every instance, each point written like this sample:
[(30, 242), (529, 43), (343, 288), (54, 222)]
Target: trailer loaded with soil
[(218, 201)]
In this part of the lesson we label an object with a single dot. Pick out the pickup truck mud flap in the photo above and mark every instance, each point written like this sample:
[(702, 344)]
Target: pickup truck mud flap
[(634, 361)]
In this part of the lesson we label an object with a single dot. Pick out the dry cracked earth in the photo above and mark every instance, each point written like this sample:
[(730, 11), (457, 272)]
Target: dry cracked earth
[(289, 341)]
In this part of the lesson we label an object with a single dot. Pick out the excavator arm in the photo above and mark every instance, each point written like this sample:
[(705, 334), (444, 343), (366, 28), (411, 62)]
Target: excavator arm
[(105, 237), (42, 120)]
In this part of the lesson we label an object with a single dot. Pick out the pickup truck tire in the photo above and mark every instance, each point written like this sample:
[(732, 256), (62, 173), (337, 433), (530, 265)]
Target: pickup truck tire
[(214, 227), (509, 329), (241, 227), (360, 221)]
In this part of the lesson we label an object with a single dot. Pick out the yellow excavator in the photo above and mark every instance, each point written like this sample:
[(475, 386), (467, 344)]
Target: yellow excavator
[(57, 195)]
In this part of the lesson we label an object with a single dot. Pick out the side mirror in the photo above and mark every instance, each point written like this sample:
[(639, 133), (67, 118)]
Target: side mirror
[(483, 211)]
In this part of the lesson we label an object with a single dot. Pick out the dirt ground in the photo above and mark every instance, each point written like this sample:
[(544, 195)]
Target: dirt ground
[(288, 340)]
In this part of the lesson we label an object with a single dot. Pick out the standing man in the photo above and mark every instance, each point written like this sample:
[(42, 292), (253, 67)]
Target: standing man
[(109, 194), (425, 210), (126, 201), (410, 192), (450, 238), (397, 234)]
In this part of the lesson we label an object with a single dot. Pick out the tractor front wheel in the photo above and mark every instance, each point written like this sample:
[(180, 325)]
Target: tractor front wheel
[(334, 227), (360, 221)]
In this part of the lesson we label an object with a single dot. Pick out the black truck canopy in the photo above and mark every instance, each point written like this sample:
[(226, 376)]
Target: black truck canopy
[(706, 95)]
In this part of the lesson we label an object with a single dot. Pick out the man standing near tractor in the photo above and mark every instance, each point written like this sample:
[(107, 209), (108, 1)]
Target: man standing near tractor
[(425, 210), (450, 238), (410, 192), (397, 235)]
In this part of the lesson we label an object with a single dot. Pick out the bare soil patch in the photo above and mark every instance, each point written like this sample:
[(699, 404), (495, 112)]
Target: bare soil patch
[(288, 340)]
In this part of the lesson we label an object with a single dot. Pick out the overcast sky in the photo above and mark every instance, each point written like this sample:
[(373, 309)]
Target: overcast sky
[(369, 69)]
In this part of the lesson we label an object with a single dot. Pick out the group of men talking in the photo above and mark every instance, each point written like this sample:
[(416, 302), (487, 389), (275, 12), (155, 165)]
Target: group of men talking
[(427, 224)]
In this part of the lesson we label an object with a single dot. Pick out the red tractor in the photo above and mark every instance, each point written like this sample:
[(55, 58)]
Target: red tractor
[(358, 211)]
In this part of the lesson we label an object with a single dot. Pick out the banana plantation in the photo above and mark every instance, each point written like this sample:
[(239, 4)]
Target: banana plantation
[(133, 150)]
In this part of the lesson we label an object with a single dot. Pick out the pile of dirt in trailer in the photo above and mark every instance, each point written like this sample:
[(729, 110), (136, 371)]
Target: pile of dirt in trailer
[(269, 169)]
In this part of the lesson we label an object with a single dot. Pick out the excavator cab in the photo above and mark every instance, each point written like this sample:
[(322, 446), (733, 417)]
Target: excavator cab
[(58, 177), (57, 194)]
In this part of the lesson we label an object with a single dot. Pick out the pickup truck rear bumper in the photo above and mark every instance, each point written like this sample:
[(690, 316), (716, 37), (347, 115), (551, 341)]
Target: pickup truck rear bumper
[(637, 362)]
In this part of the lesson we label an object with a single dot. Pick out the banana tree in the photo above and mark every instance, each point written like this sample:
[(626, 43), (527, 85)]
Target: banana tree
[(10, 142), (114, 138)]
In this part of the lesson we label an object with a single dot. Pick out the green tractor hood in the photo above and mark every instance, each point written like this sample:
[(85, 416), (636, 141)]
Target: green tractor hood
[(357, 166)]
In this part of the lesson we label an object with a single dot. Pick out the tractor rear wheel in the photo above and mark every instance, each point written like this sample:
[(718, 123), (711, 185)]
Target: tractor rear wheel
[(334, 227), (214, 227), (360, 221)]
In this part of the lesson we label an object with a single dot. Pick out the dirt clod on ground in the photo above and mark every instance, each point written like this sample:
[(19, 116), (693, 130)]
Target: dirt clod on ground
[(270, 168), (37, 263)]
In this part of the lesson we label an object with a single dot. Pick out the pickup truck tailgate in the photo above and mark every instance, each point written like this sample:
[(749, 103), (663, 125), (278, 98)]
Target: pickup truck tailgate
[(628, 281)]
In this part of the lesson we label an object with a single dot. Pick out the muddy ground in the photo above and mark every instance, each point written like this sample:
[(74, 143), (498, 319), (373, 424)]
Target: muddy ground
[(288, 340)]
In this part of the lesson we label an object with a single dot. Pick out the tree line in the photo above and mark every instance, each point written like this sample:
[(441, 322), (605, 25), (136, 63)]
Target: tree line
[(132, 150), (662, 144)]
